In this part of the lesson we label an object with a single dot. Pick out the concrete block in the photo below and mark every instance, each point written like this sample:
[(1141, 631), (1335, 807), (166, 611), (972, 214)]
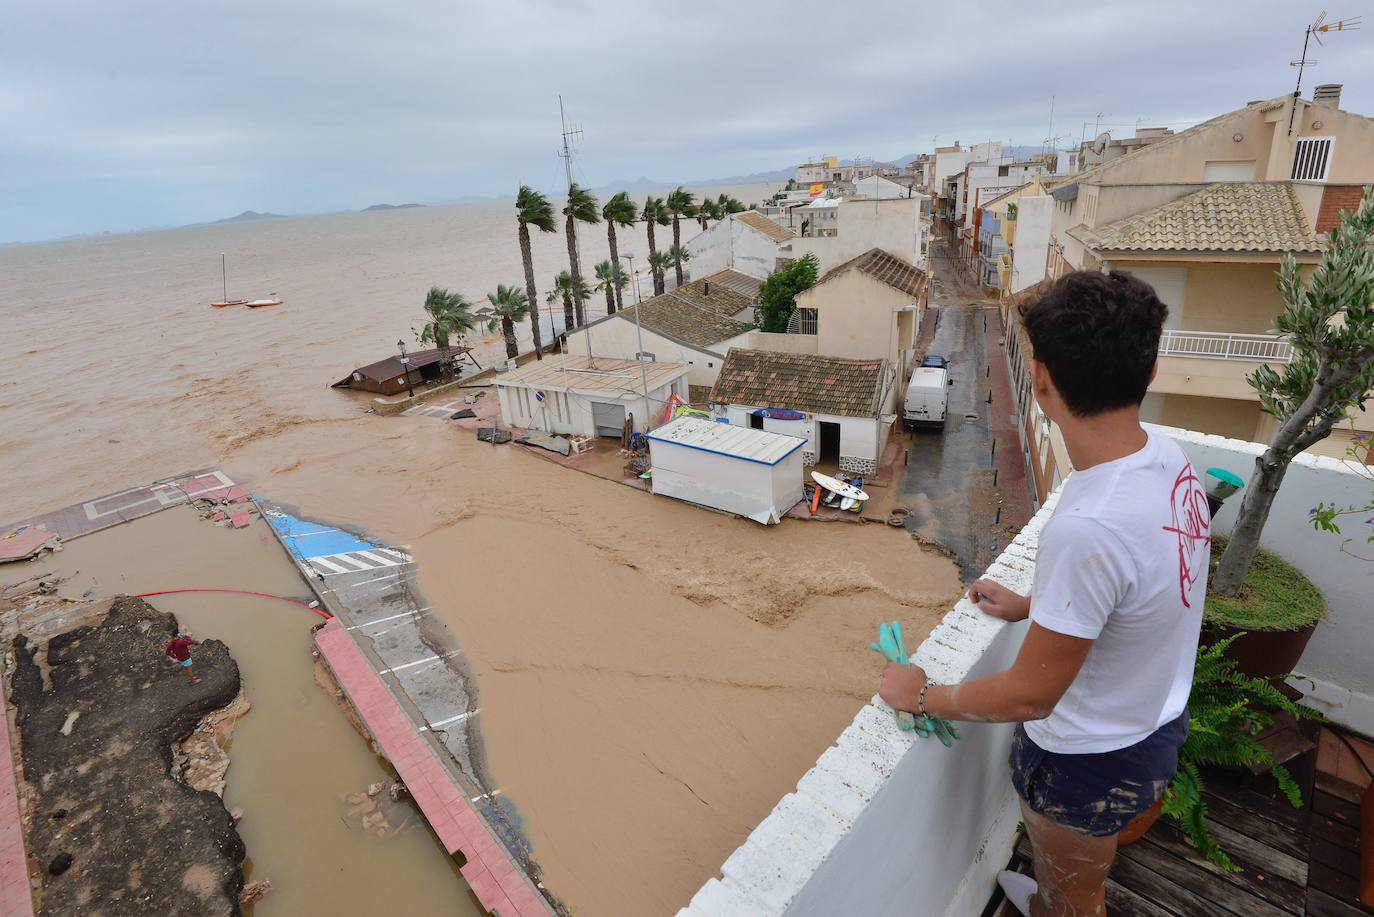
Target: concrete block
[(716, 899), (943, 664), (782, 852), (851, 770), (833, 793), (880, 746)]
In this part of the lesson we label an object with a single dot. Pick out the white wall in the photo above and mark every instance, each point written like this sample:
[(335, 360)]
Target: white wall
[(1340, 652), (859, 436), (1033, 216), (732, 244), (710, 250), (570, 413), (892, 225), (616, 337), (750, 489)]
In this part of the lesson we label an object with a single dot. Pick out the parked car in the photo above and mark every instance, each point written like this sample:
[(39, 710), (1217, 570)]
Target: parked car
[(934, 362), (927, 396)]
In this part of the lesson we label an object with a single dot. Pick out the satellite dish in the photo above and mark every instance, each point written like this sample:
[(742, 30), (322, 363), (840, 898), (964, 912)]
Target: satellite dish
[(1100, 142)]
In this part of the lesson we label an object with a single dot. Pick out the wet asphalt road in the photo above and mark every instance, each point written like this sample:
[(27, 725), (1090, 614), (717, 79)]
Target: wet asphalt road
[(948, 479)]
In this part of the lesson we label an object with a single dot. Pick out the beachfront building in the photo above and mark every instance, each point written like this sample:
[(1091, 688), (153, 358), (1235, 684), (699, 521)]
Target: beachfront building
[(390, 376), (839, 400), (881, 188), (746, 242), (867, 308), (696, 324), (756, 474), (577, 395), (1205, 216), (837, 230)]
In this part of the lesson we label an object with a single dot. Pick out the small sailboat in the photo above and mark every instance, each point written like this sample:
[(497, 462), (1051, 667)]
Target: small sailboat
[(226, 301)]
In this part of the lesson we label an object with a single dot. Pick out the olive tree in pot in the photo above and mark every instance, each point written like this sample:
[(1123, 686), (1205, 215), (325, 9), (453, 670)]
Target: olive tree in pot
[(1329, 320)]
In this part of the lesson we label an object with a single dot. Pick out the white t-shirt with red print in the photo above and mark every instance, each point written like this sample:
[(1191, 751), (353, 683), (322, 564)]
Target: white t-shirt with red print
[(1123, 562)]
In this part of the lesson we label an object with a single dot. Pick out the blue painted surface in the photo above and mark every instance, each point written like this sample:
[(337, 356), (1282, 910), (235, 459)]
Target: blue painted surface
[(311, 539)]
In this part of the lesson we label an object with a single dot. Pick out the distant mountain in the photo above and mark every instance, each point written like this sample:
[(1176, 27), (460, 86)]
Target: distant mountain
[(389, 207), (248, 215)]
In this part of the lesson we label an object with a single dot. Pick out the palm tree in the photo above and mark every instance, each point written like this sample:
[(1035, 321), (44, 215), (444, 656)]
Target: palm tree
[(709, 210), (581, 207), (509, 305), (611, 279), (679, 255), (619, 211), (730, 205), (680, 203), (532, 209), (659, 262), (449, 314), (562, 289), (655, 214)]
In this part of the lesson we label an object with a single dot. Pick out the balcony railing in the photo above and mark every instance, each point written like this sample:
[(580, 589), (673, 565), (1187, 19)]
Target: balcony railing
[(1257, 348)]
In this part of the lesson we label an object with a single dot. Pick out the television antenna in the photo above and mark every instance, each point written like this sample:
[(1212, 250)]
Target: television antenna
[(569, 132), (1319, 27)]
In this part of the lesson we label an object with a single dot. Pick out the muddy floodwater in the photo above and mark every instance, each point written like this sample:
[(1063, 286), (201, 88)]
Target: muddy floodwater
[(294, 758), (651, 677)]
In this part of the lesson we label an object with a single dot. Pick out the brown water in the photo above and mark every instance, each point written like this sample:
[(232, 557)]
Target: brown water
[(652, 677), (294, 759)]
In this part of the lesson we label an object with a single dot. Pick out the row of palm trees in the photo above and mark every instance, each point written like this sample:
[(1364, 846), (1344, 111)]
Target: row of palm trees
[(534, 209), (451, 316)]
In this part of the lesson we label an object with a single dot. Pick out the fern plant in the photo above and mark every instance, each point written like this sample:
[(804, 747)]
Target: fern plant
[(1228, 709)]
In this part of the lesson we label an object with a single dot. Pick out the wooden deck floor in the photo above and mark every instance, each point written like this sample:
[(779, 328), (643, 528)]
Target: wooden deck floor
[(1297, 863)]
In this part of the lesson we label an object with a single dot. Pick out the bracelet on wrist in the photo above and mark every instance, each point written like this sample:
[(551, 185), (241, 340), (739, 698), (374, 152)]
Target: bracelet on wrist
[(921, 700)]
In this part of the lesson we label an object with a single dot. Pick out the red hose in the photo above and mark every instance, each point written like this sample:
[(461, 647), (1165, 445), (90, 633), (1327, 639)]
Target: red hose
[(262, 595)]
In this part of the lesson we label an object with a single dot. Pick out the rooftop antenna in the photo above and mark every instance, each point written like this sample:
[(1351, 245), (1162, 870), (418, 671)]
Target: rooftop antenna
[(1050, 132), (1315, 30), (566, 153)]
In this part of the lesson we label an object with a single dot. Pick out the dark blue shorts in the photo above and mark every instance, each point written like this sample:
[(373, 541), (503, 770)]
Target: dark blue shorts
[(1097, 794)]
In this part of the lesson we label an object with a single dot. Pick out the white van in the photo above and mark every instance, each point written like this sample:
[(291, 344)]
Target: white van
[(927, 396)]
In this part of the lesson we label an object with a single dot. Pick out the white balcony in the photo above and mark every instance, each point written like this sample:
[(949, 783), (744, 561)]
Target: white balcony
[(1255, 348)]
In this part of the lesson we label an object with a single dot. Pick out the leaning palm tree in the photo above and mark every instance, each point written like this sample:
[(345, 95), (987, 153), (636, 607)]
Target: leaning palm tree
[(659, 262), (680, 203), (730, 205), (619, 211), (580, 208), (449, 314), (562, 289), (654, 214), (532, 209), (611, 280), (509, 305), (679, 255)]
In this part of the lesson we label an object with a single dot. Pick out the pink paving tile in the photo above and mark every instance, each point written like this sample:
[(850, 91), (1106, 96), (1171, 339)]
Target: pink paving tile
[(527, 901)]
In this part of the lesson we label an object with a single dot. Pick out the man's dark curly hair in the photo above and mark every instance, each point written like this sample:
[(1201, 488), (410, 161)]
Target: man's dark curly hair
[(1098, 335)]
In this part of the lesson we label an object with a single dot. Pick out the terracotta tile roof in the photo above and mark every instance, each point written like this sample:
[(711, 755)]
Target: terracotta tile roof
[(755, 220), (1224, 217), (801, 381), (884, 267), (723, 299), (734, 280), (678, 315)]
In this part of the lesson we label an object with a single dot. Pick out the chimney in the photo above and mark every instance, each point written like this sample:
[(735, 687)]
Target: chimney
[(706, 288), (1327, 95)]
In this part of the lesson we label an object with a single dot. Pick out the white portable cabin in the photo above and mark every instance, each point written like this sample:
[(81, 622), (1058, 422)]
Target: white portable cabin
[(752, 473)]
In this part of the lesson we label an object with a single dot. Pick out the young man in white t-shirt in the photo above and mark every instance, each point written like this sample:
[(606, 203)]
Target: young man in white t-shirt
[(1100, 686)]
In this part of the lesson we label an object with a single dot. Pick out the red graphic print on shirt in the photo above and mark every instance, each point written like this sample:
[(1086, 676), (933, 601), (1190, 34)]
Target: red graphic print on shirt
[(1192, 524)]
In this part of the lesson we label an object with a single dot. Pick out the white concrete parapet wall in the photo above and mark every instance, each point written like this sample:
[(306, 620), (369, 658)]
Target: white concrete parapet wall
[(888, 823)]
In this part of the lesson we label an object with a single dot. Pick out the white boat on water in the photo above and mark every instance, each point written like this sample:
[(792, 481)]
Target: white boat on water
[(250, 303)]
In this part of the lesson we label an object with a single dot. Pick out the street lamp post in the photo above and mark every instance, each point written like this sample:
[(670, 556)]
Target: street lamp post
[(405, 365), (639, 335)]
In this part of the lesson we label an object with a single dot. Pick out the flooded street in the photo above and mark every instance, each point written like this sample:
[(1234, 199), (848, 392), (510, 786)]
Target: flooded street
[(294, 759)]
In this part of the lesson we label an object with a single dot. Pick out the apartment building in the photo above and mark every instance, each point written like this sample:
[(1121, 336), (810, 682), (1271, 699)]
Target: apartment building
[(1206, 215)]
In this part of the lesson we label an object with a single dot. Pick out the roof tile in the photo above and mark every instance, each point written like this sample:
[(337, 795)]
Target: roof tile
[(755, 220), (884, 267), (801, 381)]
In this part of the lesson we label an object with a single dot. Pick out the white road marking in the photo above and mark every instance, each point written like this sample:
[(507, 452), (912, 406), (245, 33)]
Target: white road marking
[(384, 561), (329, 566), (450, 721), (366, 581), (407, 665), (405, 614)]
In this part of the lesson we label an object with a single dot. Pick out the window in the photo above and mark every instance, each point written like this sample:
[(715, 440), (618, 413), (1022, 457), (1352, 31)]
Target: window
[(1312, 161), (1003, 170)]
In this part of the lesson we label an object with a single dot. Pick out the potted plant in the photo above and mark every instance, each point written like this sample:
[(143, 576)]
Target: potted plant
[(1268, 623), (1328, 321), (1228, 710)]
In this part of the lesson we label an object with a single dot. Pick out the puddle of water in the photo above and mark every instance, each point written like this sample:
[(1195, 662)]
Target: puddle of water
[(294, 757)]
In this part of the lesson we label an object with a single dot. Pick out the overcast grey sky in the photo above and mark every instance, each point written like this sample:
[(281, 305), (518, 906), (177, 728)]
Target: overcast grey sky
[(122, 115)]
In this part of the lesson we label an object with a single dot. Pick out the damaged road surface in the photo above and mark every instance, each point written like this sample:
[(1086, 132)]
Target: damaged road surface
[(99, 709)]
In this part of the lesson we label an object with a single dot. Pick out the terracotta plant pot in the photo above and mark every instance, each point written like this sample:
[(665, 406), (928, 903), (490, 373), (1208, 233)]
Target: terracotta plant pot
[(1266, 653), (1141, 824)]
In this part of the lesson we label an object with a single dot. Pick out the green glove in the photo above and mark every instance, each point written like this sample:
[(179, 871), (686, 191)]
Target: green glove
[(892, 647)]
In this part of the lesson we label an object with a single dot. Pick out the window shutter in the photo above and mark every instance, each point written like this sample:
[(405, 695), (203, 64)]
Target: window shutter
[(1312, 160)]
